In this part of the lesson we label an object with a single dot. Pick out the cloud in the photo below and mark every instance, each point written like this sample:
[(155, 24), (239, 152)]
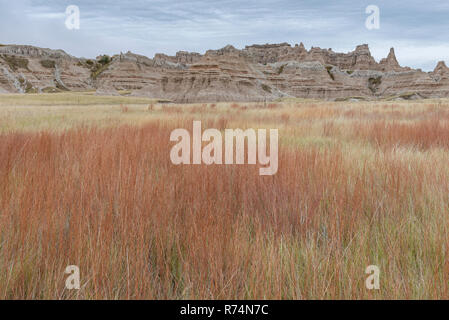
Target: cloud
[(151, 26)]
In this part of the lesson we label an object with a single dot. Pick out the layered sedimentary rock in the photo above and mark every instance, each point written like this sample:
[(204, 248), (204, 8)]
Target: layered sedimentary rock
[(255, 73), (28, 69)]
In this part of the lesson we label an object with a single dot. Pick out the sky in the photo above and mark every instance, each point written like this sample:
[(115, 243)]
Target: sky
[(418, 30)]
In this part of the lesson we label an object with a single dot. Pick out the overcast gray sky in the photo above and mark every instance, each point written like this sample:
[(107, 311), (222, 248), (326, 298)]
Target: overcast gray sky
[(418, 30)]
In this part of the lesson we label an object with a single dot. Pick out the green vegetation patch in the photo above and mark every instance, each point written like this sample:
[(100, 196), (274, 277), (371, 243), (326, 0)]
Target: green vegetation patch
[(374, 83), (15, 62), (375, 80), (49, 64), (105, 59), (329, 68), (266, 88), (60, 86), (100, 66), (31, 89), (281, 69)]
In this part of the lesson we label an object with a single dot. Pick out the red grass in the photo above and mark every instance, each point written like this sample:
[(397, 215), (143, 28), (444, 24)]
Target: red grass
[(422, 134), (110, 201), (124, 109)]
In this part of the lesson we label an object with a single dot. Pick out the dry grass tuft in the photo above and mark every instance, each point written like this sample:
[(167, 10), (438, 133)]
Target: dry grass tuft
[(124, 109)]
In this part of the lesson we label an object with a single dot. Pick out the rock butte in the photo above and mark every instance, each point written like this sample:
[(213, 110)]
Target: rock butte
[(255, 73)]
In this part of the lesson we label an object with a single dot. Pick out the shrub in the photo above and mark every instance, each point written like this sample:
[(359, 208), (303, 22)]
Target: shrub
[(50, 64), (281, 69), (266, 88), (329, 69), (105, 59), (374, 82)]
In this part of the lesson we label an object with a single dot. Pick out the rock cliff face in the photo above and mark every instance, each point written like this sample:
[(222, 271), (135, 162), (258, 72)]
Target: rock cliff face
[(27, 69), (255, 73)]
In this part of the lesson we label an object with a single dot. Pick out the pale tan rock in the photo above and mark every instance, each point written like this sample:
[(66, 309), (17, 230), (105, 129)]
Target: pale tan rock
[(390, 63), (256, 73)]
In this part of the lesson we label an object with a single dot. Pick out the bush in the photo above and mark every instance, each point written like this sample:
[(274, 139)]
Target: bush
[(266, 88), (100, 66), (50, 64), (281, 69), (329, 69), (105, 59)]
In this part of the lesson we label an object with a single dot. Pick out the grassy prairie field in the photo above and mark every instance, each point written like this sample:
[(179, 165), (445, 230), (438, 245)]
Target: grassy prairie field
[(87, 181)]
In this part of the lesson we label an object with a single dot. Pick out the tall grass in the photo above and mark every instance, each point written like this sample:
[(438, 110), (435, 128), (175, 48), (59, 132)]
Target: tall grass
[(357, 185), (110, 201), (421, 134)]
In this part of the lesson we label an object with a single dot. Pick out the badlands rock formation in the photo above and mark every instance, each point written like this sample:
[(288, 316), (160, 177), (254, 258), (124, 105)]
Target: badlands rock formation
[(256, 73)]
